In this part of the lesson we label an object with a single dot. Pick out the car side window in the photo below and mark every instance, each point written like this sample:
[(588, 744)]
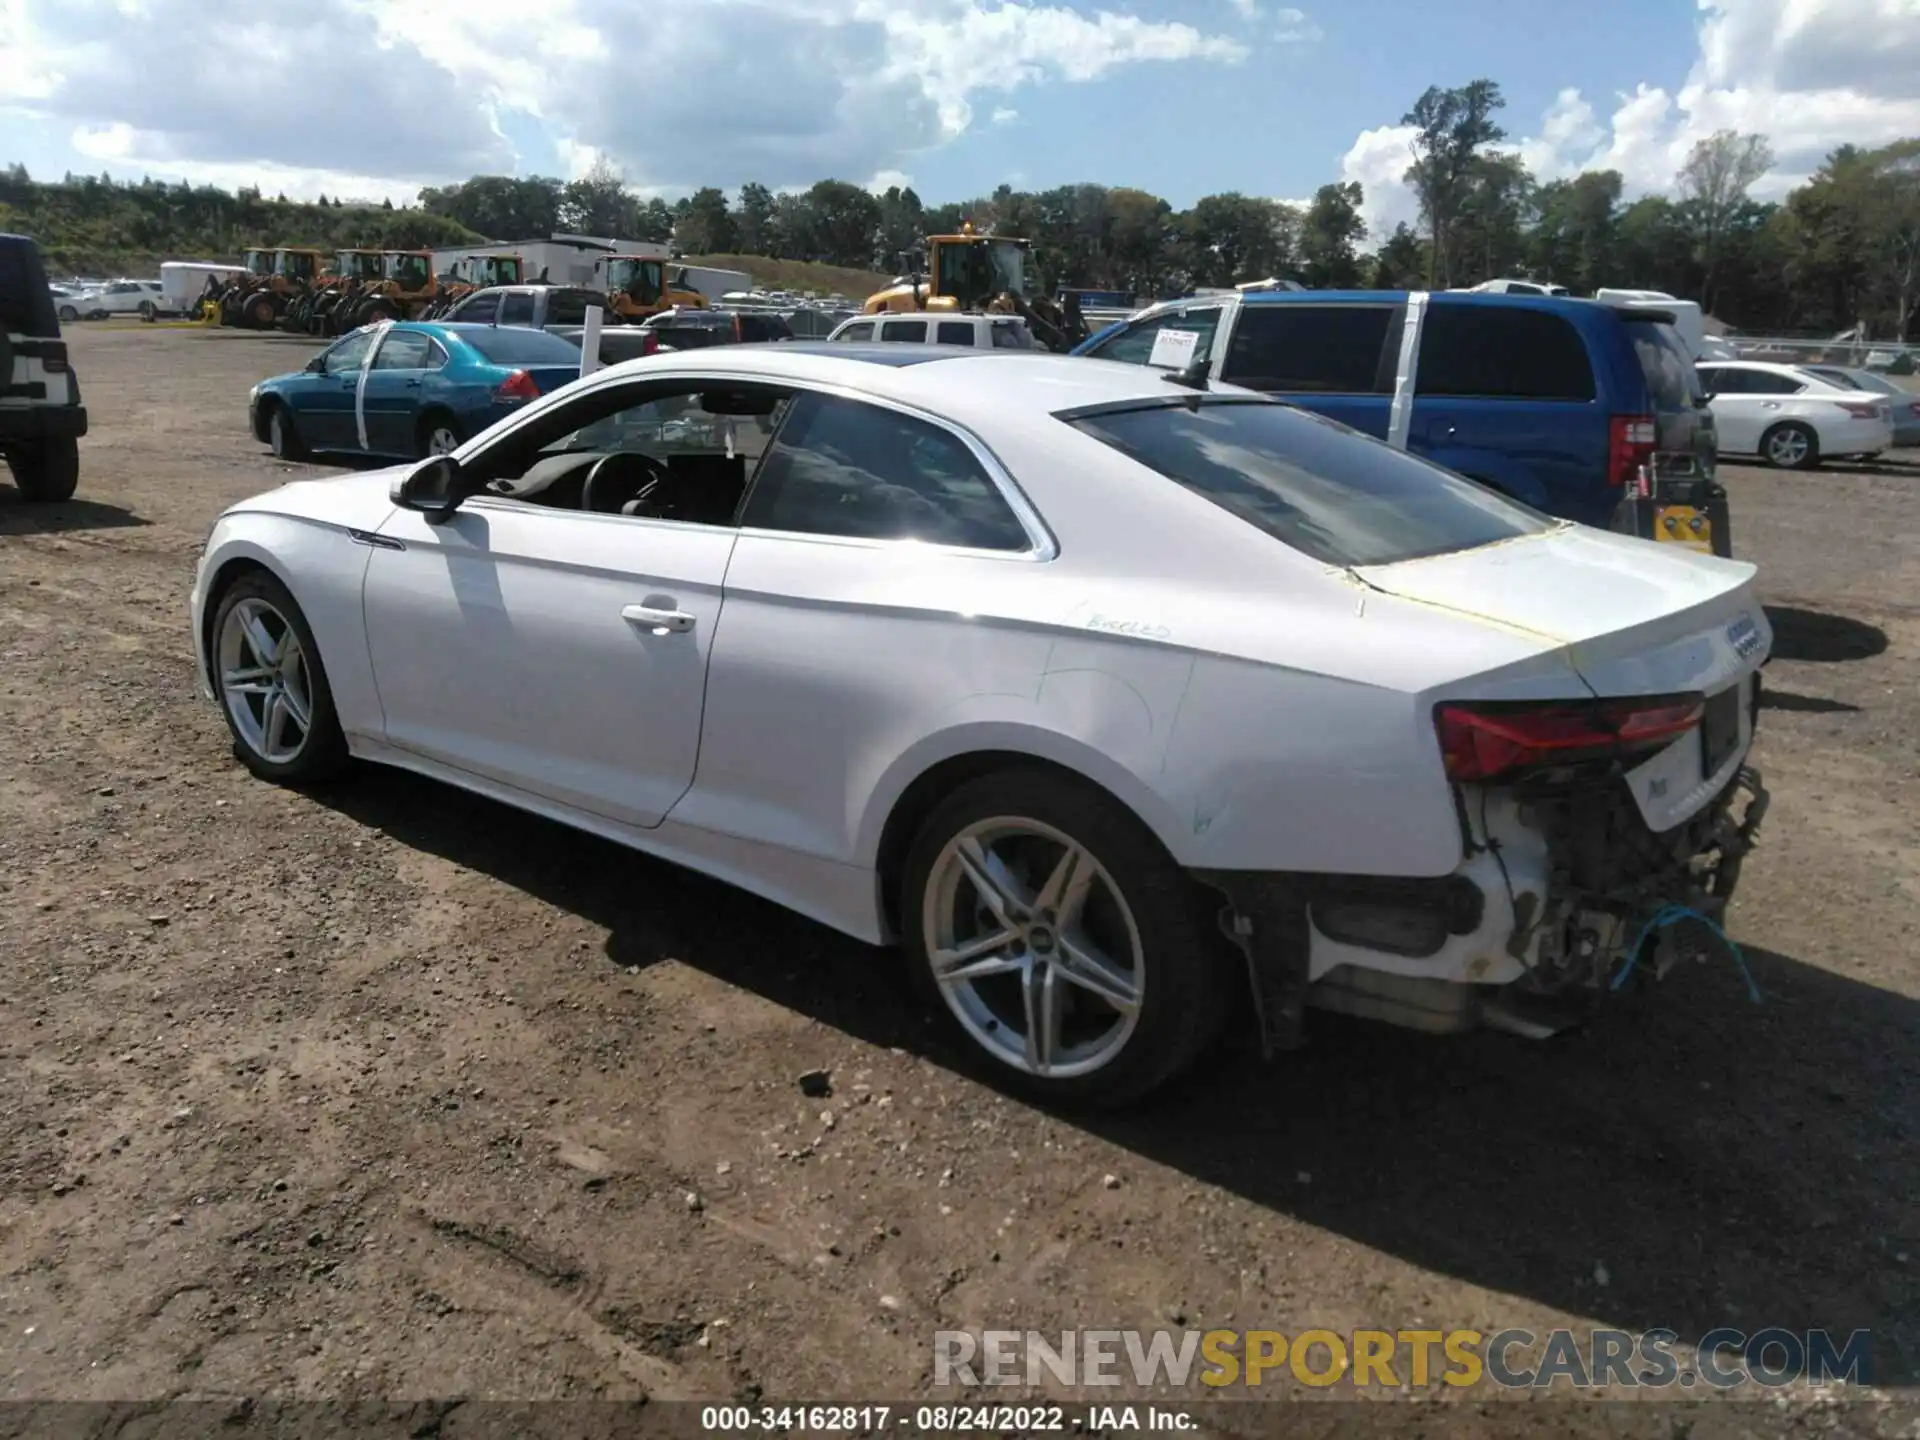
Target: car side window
[(403, 350), (1135, 346), (1497, 352), (1760, 382), (955, 332), (480, 310), (861, 331), (909, 332), (1320, 349), (516, 309), (1011, 335), (1723, 380), (564, 307), (349, 354), (844, 468)]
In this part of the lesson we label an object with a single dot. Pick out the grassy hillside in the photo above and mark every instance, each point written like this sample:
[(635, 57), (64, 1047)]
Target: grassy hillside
[(798, 274), (90, 226)]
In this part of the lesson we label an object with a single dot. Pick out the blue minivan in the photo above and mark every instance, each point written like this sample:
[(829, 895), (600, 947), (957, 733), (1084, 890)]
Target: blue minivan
[(1558, 403)]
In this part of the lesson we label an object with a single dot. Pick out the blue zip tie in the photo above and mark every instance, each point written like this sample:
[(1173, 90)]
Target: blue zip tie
[(1673, 915)]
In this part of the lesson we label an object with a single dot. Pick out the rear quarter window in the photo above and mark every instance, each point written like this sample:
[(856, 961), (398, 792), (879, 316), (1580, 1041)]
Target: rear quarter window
[(1671, 378), (1311, 483), (1326, 349), (1503, 353)]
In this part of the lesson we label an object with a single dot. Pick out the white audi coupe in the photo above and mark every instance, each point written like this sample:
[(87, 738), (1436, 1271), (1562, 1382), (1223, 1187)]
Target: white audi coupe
[(1118, 700)]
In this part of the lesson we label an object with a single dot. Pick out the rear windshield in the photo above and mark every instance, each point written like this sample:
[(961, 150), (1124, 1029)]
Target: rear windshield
[(26, 305), (509, 346), (1671, 378), (1312, 483)]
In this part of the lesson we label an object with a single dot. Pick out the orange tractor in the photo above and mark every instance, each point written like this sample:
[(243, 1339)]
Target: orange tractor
[(470, 273), (639, 286), (273, 282)]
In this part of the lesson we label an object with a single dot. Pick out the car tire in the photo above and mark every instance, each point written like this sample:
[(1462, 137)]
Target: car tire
[(1135, 1022), (69, 315), (283, 434), (147, 312), (1791, 445), (259, 312), (438, 433), (265, 690), (47, 471)]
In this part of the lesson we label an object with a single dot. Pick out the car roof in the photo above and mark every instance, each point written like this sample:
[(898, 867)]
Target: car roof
[(975, 387)]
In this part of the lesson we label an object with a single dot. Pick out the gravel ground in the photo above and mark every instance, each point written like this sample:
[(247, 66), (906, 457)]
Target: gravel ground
[(395, 1093)]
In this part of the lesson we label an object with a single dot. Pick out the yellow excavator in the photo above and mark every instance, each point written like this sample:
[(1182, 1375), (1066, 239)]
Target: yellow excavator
[(639, 286), (974, 273)]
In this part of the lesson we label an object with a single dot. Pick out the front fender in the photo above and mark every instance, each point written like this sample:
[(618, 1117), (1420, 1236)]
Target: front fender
[(323, 569)]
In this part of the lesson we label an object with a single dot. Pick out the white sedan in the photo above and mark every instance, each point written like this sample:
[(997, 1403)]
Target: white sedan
[(1790, 417), (1119, 704)]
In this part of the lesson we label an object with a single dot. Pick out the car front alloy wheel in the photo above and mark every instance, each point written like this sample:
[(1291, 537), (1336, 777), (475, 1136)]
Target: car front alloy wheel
[(272, 689)]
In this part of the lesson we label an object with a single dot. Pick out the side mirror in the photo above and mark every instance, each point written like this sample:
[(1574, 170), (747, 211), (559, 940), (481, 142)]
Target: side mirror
[(317, 365), (431, 487)]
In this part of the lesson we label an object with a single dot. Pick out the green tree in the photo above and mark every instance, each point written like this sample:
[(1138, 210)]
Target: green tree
[(1330, 234), (706, 226), (1713, 185), (753, 220), (1455, 128), (846, 220)]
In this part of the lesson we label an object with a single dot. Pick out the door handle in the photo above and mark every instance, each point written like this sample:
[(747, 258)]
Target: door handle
[(349, 384), (660, 622), (413, 385)]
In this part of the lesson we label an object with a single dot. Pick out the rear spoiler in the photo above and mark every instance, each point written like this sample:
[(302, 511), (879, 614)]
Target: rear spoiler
[(1638, 315)]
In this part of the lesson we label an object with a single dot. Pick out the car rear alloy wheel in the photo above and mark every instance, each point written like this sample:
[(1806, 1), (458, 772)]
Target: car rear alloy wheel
[(272, 689), (1034, 947), (1060, 936), (1791, 447)]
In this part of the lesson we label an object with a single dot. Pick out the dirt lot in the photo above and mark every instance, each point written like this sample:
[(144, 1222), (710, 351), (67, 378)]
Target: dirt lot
[(397, 1093)]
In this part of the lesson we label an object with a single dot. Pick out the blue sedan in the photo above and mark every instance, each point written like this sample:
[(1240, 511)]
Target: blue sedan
[(407, 389)]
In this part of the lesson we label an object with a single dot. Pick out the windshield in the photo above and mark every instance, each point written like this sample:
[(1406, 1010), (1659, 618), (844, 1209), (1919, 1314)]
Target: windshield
[(259, 262), (638, 278), (1313, 484), (1671, 379), (514, 346), (1009, 266), (409, 270)]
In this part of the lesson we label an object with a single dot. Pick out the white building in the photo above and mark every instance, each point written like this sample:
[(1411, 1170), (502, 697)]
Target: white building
[(565, 259)]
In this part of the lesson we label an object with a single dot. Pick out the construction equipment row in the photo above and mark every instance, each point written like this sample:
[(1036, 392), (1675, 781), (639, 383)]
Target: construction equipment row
[(309, 292)]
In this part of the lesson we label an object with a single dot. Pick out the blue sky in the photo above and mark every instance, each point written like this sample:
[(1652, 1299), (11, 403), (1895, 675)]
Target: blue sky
[(1179, 97)]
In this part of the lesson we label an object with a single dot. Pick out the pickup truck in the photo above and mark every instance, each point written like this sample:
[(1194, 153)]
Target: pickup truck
[(558, 309)]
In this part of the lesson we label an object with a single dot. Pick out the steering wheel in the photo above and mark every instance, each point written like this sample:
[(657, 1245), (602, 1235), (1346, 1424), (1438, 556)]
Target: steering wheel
[(614, 474)]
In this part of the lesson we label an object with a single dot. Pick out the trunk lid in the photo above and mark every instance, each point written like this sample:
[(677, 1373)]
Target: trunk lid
[(1636, 618), (550, 378)]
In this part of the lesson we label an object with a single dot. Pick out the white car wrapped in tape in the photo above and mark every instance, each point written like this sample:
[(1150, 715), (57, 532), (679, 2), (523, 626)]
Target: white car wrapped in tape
[(1116, 699)]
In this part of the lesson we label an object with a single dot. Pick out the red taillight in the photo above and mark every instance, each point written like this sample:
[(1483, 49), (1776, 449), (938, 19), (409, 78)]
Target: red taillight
[(650, 344), (53, 356), (1630, 444), (1859, 412), (517, 386), (1916, 411), (1485, 742)]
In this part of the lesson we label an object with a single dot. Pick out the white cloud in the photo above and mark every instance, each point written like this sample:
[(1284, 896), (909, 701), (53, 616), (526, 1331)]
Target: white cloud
[(413, 91), (1005, 115), (1807, 74), (886, 180), (1292, 27), (1248, 9)]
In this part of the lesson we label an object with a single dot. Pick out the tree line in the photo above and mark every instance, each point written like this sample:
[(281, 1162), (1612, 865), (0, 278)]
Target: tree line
[(1840, 250)]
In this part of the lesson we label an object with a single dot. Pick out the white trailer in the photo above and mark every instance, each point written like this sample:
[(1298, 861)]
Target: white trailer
[(183, 281)]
